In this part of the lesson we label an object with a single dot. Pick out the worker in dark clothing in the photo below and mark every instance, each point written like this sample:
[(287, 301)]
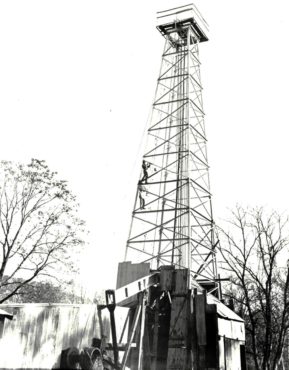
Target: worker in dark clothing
[(141, 191), (145, 167)]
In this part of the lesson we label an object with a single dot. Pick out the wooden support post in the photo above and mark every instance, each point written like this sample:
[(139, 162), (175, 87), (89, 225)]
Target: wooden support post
[(200, 312), (124, 327), (147, 350), (194, 342), (201, 302), (142, 328), (132, 333), (178, 346), (189, 332), (110, 302), (155, 335)]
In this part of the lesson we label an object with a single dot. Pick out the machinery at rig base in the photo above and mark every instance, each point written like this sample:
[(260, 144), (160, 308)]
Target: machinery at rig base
[(173, 324), (170, 325)]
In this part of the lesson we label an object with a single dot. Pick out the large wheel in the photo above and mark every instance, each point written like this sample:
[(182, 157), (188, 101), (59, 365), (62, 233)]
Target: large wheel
[(69, 358), (91, 359)]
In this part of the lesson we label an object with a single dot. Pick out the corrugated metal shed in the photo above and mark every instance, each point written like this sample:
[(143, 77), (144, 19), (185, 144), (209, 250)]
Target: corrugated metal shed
[(230, 325), (35, 336)]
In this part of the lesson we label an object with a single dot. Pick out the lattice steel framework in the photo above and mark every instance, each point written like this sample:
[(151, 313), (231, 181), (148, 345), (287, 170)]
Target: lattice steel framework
[(172, 221)]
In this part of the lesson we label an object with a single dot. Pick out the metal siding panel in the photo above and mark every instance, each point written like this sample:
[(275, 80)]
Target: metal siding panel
[(231, 329), (48, 344), (38, 333), (29, 318)]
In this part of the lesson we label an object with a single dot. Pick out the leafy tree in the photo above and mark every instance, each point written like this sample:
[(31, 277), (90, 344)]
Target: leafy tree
[(39, 227), (255, 255), (50, 292), (43, 292)]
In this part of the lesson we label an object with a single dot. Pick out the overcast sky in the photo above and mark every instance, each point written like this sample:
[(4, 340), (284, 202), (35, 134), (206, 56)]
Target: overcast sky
[(77, 80)]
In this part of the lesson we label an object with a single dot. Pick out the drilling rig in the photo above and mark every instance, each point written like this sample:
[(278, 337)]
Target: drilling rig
[(169, 282)]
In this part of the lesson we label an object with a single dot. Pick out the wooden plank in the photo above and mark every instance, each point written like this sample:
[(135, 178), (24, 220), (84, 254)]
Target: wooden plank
[(167, 278), (177, 359), (141, 334), (178, 323), (194, 341), (178, 346), (128, 272), (212, 347), (200, 307), (125, 295), (155, 336), (131, 336), (147, 351), (181, 281)]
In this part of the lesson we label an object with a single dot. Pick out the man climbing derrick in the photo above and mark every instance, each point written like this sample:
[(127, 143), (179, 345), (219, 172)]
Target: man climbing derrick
[(142, 191), (145, 166)]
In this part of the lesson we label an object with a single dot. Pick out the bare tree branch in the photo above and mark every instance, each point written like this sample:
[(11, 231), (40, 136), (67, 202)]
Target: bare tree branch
[(38, 225), (251, 253)]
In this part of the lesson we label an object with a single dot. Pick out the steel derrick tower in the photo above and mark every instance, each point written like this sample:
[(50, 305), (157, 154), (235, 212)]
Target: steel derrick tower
[(173, 321), (172, 222)]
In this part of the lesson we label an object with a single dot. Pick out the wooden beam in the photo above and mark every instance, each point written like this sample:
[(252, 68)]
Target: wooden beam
[(131, 335)]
